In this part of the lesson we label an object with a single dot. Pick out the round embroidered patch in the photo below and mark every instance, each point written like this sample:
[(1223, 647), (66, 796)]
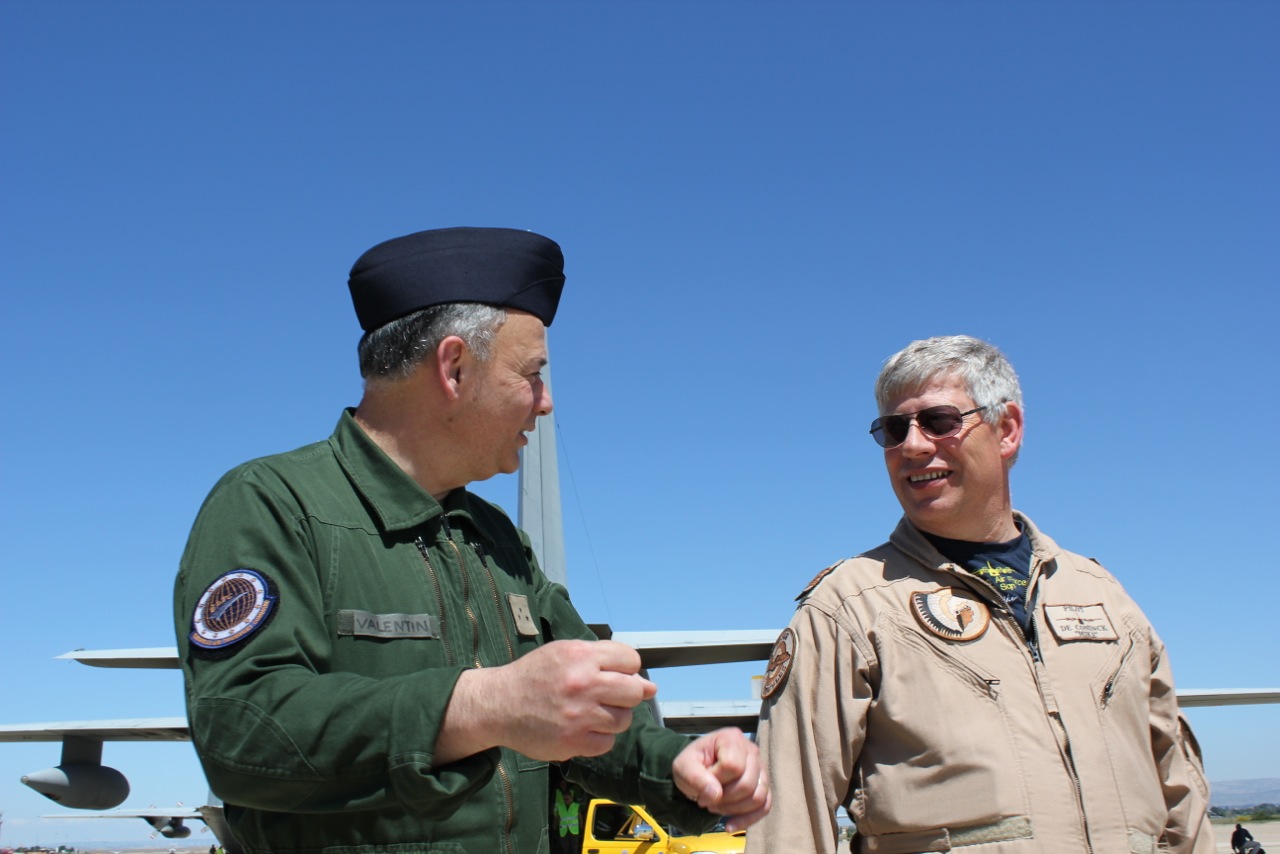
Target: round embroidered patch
[(951, 613), (780, 660), (232, 608)]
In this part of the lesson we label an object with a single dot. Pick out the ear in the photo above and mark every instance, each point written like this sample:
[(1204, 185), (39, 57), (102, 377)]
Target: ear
[(451, 363), (1010, 430)]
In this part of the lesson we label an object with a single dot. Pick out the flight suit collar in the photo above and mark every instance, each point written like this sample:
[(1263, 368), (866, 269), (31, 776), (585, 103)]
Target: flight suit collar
[(396, 499), (908, 539)]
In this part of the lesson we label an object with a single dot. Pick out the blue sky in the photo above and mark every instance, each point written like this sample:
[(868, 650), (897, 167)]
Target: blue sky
[(758, 203)]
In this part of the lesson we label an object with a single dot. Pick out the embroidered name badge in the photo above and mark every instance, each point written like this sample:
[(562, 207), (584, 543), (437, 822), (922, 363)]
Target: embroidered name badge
[(366, 624), (780, 661), (231, 609), (1080, 623), (951, 613), (523, 617)]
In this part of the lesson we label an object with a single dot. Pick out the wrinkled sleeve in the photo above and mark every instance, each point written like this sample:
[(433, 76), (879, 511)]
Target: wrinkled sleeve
[(638, 768), (1177, 756), (275, 729), (812, 729)]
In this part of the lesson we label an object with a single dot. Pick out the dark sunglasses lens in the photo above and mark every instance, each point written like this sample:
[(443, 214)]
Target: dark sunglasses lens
[(940, 421), (893, 430)]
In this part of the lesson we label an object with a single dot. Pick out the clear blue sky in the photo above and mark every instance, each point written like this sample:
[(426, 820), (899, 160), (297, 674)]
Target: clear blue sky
[(759, 202)]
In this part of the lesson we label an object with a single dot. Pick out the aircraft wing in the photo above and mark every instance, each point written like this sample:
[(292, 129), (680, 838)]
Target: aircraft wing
[(171, 822), (128, 729), (1189, 697), (162, 812), (695, 717), (156, 657), (679, 649), (657, 649)]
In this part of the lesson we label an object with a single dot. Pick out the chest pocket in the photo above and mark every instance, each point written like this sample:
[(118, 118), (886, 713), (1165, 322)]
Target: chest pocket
[(507, 582), (387, 612)]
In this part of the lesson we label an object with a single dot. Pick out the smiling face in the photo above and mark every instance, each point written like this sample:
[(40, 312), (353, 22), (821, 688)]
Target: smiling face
[(505, 394), (957, 487)]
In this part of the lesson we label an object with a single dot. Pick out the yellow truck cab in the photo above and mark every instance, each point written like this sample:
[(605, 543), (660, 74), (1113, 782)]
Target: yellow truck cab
[(620, 829)]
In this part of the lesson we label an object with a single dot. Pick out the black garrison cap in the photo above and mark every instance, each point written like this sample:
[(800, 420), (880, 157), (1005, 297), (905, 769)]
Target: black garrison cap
[(497, 266)]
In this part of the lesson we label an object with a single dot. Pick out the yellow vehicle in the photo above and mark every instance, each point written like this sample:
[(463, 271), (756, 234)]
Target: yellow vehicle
[(619, 829)]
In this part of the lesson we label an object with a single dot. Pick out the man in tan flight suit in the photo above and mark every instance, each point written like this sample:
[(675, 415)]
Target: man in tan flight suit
[(969, 685)]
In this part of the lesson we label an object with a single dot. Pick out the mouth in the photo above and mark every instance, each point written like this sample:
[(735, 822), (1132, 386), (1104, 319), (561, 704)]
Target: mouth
[(928, 476)]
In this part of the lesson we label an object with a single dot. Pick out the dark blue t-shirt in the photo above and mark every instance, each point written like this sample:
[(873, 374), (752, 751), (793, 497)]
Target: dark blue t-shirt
[(1005, 566)]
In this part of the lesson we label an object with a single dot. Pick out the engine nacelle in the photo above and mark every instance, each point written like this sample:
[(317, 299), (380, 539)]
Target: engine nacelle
[(81, 786), (171, 828)]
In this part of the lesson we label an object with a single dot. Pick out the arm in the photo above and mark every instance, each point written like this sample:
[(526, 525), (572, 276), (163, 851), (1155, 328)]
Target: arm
[(567, 698), (723, 772), (812, 728), (572, 698), (1177, 757), (681, 781)]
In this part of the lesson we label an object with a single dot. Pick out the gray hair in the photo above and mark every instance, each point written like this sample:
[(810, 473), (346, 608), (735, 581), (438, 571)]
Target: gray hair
[(988, 377), (394, 349)]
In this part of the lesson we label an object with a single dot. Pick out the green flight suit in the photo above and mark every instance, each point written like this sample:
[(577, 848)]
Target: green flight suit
[(325, 606)]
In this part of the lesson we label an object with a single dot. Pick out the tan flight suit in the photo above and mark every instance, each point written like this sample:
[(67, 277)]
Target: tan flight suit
[(905, 690)]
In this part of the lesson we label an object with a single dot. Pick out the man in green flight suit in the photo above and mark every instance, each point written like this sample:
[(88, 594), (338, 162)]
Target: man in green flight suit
[(373, 659)]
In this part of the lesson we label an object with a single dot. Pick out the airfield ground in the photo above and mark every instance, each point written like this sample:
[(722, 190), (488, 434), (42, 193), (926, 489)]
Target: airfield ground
[(1267, 834)]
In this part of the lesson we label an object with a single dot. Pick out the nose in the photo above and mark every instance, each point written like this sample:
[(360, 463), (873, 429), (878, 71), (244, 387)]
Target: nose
[(917, 443), (542, 404)]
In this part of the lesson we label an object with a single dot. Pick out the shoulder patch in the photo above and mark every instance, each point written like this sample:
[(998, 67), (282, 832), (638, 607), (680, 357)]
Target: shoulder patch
[(951, 613), (817, 579), (235, 606), (780, 661)]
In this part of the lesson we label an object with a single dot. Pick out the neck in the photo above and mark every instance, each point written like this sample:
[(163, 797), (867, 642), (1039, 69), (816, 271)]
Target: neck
[(389, 416), (998, 530)]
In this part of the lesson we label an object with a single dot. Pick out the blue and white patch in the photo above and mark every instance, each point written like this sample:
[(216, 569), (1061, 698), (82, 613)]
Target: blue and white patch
[(231, 609)]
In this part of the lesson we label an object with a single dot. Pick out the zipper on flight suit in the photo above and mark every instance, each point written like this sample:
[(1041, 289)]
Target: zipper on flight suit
[(466, 593), (1033, 628), (511, 656), (508, 796), (1065, 746), (435, 583), (1003, 610), (1031, 640), (497, 600), (1033, 643), (1110, 687)]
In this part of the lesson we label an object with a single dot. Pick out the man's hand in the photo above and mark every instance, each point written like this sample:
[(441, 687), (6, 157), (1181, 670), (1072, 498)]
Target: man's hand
[(723, 773), (564, 699)]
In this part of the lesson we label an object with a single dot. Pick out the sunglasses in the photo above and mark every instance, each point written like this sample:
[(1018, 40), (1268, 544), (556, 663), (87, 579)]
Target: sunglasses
[(936, 422)]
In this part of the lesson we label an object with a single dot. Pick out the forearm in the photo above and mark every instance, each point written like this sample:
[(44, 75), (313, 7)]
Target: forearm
[(470, 724), (296, 742), (639, 770)]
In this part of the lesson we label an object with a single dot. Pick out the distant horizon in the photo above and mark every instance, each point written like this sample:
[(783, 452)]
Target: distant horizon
[(119, 847)]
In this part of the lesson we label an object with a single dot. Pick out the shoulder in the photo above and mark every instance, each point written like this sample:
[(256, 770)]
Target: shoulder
[(849, 576), (309, 462), (279, 487), (1083, 566), (1045, 549), (1074, 579)]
